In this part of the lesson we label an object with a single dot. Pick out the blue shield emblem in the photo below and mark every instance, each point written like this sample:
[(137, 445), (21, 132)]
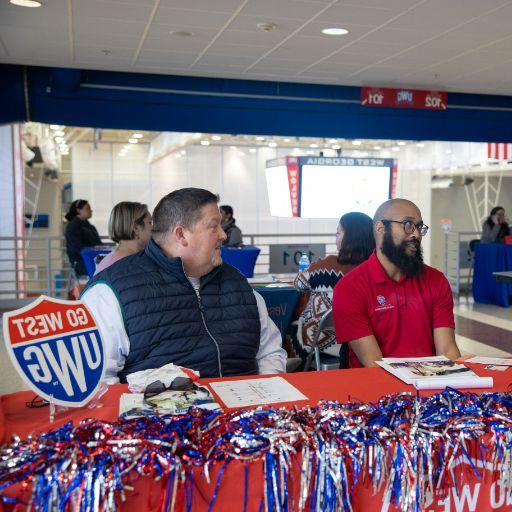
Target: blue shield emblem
[(57, 349)]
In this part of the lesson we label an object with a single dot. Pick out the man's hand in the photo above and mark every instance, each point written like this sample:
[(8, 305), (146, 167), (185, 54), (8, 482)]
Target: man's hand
[(367, 350)]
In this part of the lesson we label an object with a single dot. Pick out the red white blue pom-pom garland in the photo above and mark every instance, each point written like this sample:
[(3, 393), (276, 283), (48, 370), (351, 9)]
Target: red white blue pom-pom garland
[(406, 446)]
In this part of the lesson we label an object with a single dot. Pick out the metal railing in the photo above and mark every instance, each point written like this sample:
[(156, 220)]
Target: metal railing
[(33, 266), (458, 259)]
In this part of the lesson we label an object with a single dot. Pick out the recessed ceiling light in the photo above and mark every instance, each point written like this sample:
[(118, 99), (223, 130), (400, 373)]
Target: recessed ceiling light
[(252, 150), (55, 127), (335, 31), (356, 142), (401, 143), (420, 145), (377, 148), (333, 141), (260, 138), (286, 140), (216, 137), (121, 154), (59, 140), (395, 149), (183, 152), (60, 133), (137, 136), (272, 144), (26, 3), (336, 146), (313, 145), (266, 26), (181, 33), (133, 141), (205, 143)]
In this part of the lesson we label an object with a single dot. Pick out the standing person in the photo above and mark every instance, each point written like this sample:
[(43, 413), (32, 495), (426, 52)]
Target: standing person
[(178, 302), (393, 305), (355, 244), (129, 226), (233, 233), (495, 228), (80, 233)]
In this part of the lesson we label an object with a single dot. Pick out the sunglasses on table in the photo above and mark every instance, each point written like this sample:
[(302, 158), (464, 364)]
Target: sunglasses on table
[(178, 384)]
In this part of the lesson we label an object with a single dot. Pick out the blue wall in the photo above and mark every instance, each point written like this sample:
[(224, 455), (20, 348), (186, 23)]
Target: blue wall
[(214, 105)]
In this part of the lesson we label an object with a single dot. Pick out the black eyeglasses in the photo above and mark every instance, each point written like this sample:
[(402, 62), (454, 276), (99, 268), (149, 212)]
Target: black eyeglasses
[(178, 384), (409, 226)]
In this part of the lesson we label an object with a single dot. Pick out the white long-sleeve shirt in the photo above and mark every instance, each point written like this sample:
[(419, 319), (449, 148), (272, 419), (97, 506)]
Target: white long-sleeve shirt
[(106, 310)]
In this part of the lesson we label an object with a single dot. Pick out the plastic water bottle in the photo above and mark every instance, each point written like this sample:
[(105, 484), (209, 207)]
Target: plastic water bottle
[(304, 261)]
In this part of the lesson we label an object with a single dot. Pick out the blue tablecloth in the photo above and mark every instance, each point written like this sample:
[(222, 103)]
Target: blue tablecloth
[(280, 303), (89, 256), (491, 258), (242, 258)]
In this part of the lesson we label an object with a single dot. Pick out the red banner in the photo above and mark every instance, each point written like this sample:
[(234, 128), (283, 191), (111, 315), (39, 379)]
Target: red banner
[(292, 166), (403, 98)]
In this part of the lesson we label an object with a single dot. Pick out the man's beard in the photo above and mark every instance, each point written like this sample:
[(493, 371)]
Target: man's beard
[(409, 265)]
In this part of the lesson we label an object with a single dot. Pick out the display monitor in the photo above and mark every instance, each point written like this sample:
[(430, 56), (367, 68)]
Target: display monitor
[(331, 187), (278, 191)]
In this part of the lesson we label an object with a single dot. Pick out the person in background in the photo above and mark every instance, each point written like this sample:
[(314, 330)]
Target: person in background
[(130, 227), (233, 233), (495, 228), (393, 305), (80, 233), (355, 244), (178, 302)]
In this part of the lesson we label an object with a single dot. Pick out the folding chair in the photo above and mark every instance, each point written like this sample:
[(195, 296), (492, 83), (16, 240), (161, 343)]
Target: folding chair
[(322, 361)]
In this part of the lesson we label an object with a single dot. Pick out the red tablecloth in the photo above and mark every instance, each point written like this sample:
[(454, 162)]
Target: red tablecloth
[(361, 384)]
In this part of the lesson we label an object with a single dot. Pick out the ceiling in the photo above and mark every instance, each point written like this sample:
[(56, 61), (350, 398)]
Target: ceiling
[(456, 45)]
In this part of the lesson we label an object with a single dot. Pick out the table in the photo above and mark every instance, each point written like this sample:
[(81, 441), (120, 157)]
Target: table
[(503, 277), (242, 258), (89, 255), (366, 384), (281, 302), (490, 258)]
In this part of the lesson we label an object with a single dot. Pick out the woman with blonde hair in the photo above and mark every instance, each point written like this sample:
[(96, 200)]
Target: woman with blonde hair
[(130, 227)]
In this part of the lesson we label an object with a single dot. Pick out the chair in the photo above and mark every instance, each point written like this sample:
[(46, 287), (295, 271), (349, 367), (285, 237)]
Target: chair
[(471, 261), (322, 361)]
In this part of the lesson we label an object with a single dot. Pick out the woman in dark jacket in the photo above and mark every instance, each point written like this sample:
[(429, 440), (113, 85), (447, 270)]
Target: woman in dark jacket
[(495, 227), (79, 234), (234, 235)]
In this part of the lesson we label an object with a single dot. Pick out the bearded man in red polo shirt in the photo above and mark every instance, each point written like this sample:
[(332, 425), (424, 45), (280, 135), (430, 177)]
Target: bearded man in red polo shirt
[(393, 305)]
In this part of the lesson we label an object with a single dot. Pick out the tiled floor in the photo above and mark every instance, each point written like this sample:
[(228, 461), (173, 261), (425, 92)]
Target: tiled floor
[(480, 329)]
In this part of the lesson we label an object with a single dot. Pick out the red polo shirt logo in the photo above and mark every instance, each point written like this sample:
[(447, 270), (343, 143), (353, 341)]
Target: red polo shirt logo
[(383, 303)]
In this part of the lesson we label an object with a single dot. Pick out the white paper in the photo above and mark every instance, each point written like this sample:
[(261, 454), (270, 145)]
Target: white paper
[(493, 367), (500, 361), (478, 382), (242, 393)]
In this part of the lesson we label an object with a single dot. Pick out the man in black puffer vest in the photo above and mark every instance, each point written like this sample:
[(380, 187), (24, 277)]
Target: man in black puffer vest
[(177, 302)]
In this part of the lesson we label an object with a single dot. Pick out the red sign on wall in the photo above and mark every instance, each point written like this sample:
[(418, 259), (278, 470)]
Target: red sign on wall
[(403, 98), (293, 183)]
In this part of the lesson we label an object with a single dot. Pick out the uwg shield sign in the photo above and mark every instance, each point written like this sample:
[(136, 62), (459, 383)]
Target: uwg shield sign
[(56, 346)]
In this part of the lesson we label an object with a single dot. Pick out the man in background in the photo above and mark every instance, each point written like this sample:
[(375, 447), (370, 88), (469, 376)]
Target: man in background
[(177, 302), (393, 305)]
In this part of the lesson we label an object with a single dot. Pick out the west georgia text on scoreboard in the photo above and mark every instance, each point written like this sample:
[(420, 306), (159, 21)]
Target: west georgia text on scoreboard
[(56, 347)]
